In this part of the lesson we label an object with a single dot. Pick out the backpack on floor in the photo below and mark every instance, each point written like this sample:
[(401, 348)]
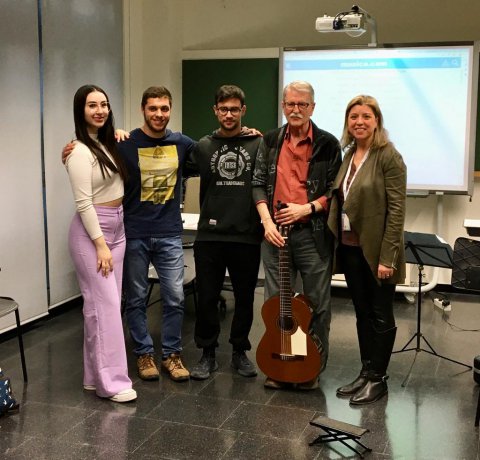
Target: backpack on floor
[(7, 401)]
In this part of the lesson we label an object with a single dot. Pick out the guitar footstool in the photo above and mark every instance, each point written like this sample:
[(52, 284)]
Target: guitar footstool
[(339, 431)]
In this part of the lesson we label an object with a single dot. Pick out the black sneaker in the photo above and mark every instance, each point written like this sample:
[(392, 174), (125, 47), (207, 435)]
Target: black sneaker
[(204, 367), (243, 365)]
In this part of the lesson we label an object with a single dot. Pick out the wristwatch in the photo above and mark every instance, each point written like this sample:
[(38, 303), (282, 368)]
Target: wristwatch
[(313, 208)]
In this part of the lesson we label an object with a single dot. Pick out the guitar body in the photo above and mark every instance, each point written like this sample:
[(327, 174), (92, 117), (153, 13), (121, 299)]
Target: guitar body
[(287, 352)]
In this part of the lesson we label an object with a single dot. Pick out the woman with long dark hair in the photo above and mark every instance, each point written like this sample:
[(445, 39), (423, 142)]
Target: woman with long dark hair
[(367, 216), (97, 243)]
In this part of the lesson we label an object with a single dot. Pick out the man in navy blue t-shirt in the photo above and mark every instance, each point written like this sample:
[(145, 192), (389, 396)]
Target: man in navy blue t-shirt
[(155, 158)]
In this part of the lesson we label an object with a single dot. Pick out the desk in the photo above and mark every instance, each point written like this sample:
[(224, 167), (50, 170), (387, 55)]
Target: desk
[(190, 222)]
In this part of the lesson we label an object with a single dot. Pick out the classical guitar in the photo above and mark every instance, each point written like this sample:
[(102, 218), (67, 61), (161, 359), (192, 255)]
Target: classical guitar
[(287, 352)]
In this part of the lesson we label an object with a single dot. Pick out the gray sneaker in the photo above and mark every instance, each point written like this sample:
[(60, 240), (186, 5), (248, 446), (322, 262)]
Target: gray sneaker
[(205, 366), (243, 365)]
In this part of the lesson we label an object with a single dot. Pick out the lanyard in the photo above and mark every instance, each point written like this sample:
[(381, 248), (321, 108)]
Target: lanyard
[(345, 188)]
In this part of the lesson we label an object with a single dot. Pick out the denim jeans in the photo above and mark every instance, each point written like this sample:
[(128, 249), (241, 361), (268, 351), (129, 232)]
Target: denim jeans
[(166, 255), (316, 274)]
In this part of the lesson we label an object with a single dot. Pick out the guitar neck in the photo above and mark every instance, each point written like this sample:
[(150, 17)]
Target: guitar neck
[(285, 285)]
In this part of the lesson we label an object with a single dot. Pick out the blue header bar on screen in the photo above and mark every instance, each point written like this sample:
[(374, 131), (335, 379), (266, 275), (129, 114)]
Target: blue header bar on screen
[(376, 63)]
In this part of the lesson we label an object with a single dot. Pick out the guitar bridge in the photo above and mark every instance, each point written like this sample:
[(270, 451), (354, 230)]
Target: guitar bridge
[(288, 357)]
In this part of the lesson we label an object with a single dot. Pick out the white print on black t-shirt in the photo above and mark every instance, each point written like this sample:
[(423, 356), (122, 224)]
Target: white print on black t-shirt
[(230, 162)]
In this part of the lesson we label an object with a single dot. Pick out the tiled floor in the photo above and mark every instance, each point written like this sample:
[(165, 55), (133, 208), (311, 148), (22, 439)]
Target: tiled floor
[(231, 417)]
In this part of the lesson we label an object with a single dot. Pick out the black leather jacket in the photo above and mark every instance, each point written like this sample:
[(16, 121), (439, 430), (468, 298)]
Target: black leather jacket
[(322, 170)]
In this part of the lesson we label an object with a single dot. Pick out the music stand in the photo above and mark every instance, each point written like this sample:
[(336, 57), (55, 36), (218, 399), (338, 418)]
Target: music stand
[(424, 249)]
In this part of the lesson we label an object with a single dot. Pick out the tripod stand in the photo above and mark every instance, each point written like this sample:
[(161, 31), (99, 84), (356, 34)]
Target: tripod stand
[(425, 249)]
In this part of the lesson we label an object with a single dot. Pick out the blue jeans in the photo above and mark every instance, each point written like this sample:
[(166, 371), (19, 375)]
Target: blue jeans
[(316, 274), (166, 255)]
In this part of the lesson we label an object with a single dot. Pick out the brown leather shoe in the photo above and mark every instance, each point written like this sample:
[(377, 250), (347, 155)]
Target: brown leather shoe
[(273, 384), (147, 369), (307, 386), (174, 367)]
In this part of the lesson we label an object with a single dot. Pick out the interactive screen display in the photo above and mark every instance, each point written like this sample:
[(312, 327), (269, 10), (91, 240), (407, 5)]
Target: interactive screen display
[(427, 95)]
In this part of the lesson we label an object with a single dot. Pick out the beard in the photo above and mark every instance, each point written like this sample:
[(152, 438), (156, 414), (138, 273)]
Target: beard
[(234, 126), (153, 128)]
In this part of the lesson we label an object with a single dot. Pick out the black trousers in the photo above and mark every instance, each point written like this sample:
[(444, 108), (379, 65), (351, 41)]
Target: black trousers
[(212, 258), (372, 302), (374, 310)]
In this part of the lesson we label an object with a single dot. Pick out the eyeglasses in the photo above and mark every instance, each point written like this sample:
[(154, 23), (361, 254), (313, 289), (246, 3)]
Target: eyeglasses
[(105, 106), (233, 110), (300, 105)]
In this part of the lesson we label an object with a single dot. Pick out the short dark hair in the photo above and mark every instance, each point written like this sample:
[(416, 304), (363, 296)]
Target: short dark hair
[(229, 92), (156, 92)]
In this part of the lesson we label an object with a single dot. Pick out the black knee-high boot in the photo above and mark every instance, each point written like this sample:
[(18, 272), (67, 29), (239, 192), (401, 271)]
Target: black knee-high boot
[(364, 333), (376, 385)]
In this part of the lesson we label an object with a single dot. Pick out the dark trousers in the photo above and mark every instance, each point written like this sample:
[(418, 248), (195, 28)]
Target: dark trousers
[(373, 304), (212, 259)]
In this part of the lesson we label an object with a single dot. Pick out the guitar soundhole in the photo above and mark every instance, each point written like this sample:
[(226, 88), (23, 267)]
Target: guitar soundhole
[(287, 324)]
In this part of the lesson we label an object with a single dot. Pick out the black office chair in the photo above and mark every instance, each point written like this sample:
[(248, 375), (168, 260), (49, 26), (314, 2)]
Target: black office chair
[(466, 275)]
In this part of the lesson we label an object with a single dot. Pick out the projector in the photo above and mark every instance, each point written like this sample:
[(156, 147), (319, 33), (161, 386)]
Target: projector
[(351, 22)]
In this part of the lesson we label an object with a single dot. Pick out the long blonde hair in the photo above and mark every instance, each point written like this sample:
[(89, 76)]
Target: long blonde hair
[(380, 136)]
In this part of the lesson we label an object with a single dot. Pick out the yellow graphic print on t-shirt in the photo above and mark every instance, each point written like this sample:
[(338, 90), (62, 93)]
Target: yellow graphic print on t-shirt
[(158, 173)]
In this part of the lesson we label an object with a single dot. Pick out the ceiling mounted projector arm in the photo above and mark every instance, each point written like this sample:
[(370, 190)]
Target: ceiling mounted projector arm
[(351, 22)]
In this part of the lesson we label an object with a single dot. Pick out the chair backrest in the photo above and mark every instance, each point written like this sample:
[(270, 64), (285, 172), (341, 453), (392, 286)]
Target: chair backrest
[(466, 264), (191, 202)]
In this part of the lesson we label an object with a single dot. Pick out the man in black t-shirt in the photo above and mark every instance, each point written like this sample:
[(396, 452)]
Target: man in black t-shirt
[(229, 233)]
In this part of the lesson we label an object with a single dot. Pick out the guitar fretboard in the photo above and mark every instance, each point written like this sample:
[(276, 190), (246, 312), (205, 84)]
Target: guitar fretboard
[(285, 285)]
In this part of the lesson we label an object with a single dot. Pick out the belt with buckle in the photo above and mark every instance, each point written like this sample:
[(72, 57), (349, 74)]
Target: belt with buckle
[(301, 225)]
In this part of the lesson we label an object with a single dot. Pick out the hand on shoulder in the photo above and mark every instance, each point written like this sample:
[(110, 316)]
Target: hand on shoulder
[(67, 150)]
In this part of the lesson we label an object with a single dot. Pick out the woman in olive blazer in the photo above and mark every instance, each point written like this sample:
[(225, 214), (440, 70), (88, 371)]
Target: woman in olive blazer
[(367, 215)]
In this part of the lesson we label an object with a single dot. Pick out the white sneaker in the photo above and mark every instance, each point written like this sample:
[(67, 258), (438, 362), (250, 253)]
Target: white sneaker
[(124, 396), (89, 387)]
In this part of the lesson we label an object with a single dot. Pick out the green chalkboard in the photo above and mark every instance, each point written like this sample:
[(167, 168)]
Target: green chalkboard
[(200, 79), (477, 139)]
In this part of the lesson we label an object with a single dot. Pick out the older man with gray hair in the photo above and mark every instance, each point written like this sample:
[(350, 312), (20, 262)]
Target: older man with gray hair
[(296, 166)]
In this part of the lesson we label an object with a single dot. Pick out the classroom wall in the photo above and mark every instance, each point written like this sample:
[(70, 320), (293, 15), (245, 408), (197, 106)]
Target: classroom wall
[(166, 30), (44, 59), (86, 49), (22, 250), (82, 41)]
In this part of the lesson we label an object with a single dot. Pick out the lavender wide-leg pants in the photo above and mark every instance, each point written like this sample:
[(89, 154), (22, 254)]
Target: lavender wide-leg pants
[(104, 355)]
